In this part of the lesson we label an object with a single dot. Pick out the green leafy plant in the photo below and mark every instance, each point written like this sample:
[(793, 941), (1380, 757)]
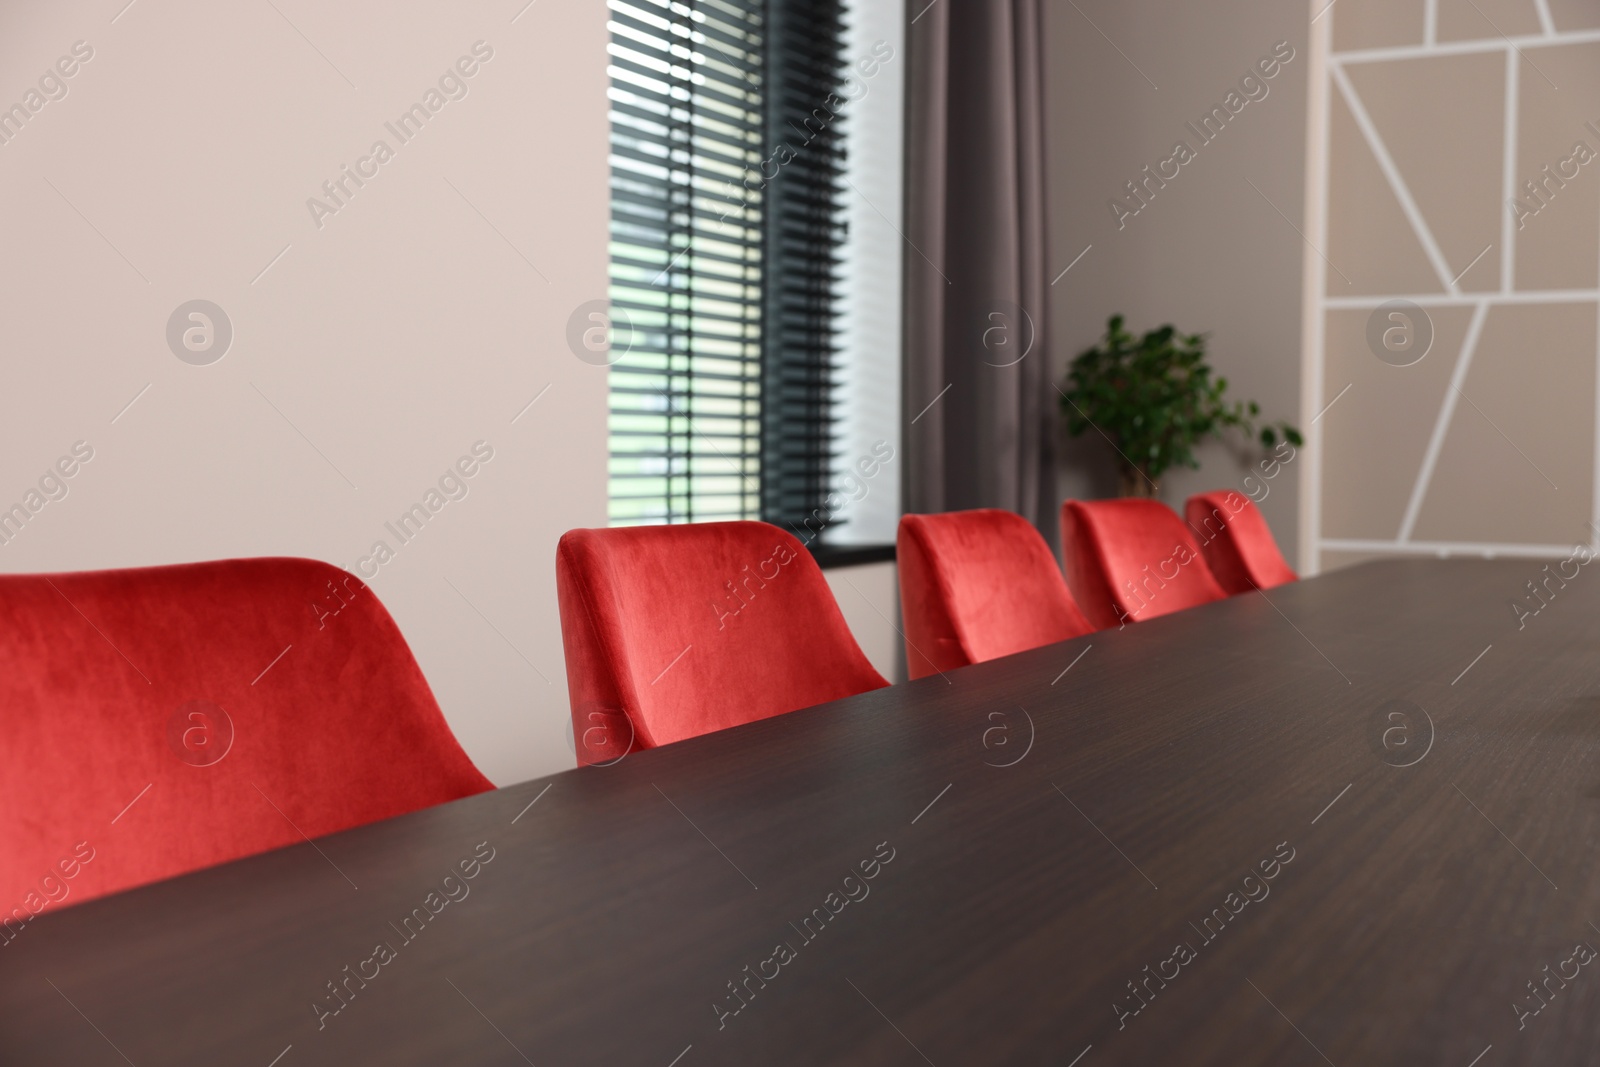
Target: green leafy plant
[(1155, 398)]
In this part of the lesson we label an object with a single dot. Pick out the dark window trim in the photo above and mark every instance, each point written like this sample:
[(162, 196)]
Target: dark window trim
[(850, 555)]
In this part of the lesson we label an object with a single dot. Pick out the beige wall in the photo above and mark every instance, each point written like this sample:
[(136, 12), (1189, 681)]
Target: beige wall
[(417, 320), (869, 598), (1428, 121), (1383, 164), (1210, 252)]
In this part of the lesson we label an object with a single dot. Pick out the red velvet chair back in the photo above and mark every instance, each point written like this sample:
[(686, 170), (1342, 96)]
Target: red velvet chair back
[(1131, 560), (976, 585), (165, 719), (676, 631), (1237, 542)]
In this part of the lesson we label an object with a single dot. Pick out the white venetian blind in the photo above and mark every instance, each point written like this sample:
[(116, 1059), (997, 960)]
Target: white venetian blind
[(687, 117)]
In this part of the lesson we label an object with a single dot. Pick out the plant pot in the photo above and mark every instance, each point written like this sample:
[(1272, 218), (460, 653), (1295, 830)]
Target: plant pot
[(1134, 482)]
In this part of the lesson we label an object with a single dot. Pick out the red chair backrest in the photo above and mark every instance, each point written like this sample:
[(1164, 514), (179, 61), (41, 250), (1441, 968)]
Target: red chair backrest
[(1237, 542), (676, 631), (976, 585), (1130, 560), (164, 719)]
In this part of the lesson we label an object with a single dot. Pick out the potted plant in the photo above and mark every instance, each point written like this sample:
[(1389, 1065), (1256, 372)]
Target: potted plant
[(1155, 398)]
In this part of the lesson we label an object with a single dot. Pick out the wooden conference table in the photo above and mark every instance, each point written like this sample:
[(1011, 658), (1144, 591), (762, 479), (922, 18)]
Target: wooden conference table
[(1325, 828)]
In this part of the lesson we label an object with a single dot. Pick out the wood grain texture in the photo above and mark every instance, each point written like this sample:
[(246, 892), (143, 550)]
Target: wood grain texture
[(1170, 761)]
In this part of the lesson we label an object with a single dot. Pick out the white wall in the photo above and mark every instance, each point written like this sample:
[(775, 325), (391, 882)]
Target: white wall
[(368, 356)]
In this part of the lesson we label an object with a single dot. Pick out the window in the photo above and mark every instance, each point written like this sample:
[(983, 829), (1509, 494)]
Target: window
[(729, 247)]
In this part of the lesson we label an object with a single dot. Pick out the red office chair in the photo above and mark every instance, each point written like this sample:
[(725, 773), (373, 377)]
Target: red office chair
[(1131, 560), (164, 719), (976, 585), (676, 631), (1237, 543)]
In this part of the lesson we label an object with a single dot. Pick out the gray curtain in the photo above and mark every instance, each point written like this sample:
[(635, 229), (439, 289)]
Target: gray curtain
[(975, 285)]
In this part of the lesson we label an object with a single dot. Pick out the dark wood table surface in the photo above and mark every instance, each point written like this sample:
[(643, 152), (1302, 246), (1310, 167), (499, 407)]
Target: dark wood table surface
[(1427, 811)]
